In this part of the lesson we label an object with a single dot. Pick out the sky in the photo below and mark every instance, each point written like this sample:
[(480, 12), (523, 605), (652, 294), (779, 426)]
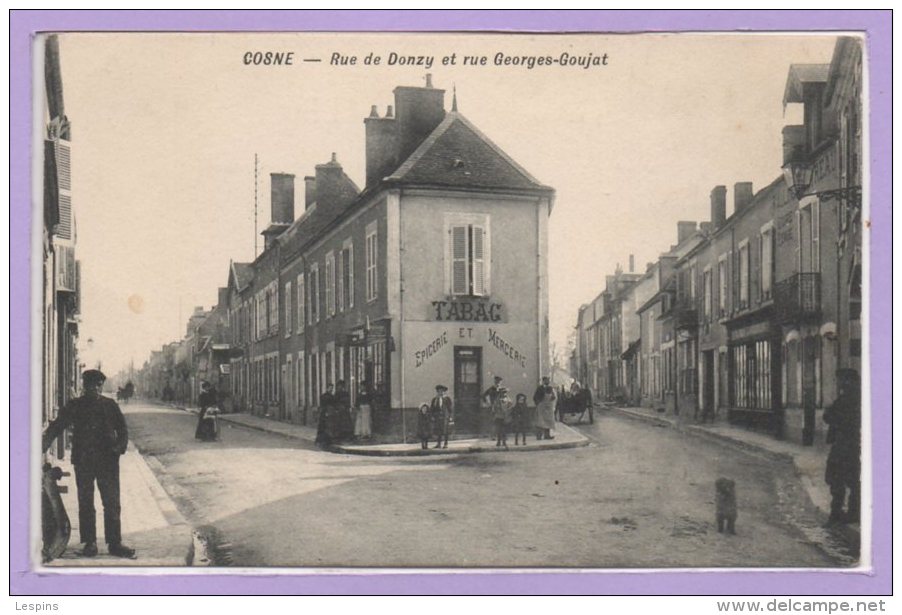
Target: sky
[(165, 128)]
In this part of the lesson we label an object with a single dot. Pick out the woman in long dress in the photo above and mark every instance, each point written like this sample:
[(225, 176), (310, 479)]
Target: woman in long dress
[(363, 421), (544, 398), (206, 425)]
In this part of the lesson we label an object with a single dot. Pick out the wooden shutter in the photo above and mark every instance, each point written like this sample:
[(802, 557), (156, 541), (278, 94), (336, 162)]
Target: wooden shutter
[(479, 285), (815, 236), (459, 281), (350, 265)]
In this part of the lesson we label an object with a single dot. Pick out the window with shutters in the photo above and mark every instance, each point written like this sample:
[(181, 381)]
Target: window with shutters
[(313, 291), (708, 290), (372, 251), (301, 316), (469, 259), (330, 284)]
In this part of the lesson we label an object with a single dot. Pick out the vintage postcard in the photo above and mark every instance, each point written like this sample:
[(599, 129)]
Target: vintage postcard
[(426, 301)]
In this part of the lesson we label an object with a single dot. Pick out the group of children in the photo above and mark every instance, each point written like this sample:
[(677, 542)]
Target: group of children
[(436, 419)]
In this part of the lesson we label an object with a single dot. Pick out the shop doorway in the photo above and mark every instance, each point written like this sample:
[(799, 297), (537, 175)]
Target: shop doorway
[(467, 387)]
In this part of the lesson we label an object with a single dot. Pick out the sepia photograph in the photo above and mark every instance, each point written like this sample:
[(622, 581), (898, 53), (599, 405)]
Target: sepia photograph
[(365, 301)]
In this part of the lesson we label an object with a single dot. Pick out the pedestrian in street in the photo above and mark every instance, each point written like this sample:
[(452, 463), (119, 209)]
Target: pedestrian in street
[(520, 418), (488, 397), (206, 423), (344, 426), (424, 425), (544, 398), (99, 438), (323, 427), (442, 409), (501, 416), (843, 470), (363, 420)]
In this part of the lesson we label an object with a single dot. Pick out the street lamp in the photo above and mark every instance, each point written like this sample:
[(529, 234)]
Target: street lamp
[(798, 175)]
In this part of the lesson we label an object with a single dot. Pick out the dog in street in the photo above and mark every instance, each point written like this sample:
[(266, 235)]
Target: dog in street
[(725, 505)]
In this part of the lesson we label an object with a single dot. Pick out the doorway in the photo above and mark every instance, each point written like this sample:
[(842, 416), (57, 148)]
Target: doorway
[(708, 386), (467, 388)]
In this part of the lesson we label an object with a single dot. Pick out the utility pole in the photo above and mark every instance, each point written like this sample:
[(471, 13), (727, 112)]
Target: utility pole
[(255, 206)]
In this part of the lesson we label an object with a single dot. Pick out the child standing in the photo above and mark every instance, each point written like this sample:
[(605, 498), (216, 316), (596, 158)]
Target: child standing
[(501, 413), (424, 426), (520, 418)]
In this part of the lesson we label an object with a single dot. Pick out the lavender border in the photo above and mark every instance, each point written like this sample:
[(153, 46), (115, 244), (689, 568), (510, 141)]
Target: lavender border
[(877, 25)]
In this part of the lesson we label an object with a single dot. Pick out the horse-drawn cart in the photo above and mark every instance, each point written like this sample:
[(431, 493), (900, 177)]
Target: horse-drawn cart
[(575, 402)]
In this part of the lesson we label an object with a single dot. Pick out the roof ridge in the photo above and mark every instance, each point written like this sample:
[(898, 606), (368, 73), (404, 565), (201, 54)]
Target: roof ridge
[(441, 129)]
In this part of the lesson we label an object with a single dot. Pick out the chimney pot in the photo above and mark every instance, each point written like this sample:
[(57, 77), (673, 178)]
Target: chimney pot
[(390, 112), (428, 80), (632, 263), (334, 157), (373, 111)]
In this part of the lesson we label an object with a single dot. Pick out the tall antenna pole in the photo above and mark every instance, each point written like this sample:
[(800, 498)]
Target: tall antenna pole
[(255, 206)]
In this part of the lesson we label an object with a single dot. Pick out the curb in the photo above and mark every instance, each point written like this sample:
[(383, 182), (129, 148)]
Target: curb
[(341, 449), (703, 433), (476, 448)]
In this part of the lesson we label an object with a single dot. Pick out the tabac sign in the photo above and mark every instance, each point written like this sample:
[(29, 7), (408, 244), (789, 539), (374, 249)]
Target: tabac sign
[(466, 310)]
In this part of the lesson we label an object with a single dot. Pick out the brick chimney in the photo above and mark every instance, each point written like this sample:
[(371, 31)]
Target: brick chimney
[(742, 195), (281, 205), (718, 206), (282, 197), (309, 190), (685, 230), (223, 296), (632, 263), (381, 145), (419, 111)]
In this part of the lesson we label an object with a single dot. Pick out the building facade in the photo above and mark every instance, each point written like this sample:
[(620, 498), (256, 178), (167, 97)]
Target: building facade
[(435, 273), (751, 319), (61, 271)]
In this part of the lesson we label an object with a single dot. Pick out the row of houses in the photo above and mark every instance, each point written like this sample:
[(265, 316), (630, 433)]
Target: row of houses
[(747, 317), (435, 272)]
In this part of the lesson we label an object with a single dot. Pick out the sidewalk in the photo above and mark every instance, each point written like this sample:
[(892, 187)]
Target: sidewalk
[(809, 461), (151, 523), (565, 437)]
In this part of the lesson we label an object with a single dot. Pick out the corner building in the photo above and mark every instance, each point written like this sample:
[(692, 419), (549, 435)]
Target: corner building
[(434, 273)]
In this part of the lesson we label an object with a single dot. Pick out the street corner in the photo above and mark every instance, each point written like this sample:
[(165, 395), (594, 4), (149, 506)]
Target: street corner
[(567, 437)]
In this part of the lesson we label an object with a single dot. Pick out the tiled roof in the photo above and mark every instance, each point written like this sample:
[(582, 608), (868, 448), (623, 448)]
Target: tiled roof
[(457, 154), (244, 274)]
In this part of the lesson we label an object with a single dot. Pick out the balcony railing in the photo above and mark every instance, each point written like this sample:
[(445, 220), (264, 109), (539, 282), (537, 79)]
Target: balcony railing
[(798, 297)]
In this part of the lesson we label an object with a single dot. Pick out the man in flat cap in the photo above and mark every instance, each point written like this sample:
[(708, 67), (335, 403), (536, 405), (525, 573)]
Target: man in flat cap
[(442, 410), (99, 437)]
